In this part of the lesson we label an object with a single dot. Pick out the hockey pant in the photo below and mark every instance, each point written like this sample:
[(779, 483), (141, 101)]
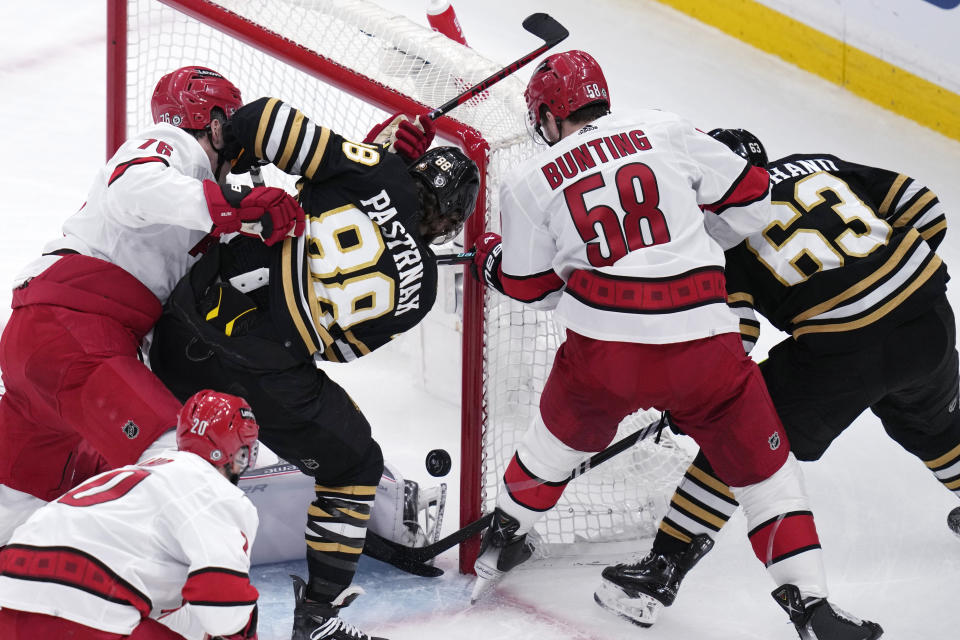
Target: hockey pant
[(305, 418), (715, 394), (78, 399), (909, 380), (24, 625)]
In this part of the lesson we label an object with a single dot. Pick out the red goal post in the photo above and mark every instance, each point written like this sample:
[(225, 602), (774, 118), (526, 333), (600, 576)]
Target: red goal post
[(347, 63)]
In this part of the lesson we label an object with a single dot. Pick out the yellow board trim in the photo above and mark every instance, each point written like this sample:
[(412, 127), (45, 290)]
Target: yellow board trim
[(865, 75)]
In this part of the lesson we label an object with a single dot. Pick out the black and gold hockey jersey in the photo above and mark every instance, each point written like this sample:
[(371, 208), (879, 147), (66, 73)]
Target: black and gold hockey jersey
[(849, 254), (360, 274)]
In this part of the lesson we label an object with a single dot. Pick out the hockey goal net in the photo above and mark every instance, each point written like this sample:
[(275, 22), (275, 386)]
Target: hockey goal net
[(347, 63)]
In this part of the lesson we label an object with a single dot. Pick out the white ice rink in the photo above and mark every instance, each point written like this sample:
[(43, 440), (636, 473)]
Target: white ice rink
[(880, 513)]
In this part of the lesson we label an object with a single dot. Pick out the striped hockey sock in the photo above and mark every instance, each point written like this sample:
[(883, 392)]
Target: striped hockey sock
[(336, 530), (701, 504)]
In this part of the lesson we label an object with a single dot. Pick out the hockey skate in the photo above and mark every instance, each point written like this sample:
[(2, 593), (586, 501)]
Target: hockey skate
[(500, 551), (818, 619), (638, 592), (321, 620)]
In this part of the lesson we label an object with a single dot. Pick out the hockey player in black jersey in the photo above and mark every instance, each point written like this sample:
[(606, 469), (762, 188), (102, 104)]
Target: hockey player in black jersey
[(258, 322), (848, 268)]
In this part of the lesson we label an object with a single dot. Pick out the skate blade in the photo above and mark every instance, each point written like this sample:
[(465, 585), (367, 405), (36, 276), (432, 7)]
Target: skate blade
[(641, 610), (486, 580)]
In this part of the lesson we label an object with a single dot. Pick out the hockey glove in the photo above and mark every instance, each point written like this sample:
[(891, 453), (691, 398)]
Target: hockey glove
[(408, 138), (487, 258), (268, 213)]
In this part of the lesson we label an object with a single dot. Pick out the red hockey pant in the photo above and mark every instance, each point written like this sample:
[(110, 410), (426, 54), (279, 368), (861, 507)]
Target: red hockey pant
[(24, 625), (714, 393), (77, 398)]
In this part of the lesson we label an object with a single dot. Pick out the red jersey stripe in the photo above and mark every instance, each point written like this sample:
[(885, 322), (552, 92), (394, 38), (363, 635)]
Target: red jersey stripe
[(531, 288), (215, 586), (123, 166)]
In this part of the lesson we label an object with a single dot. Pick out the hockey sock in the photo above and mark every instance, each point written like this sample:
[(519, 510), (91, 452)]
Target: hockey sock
[(946, 468), (336, 530), (782, 531), (527, 496), (701, 504)]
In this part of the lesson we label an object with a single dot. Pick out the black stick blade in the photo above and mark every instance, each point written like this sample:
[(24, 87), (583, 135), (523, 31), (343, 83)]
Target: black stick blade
[(546, 28)]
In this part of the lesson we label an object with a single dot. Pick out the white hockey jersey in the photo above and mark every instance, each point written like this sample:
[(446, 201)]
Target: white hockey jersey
[(144, 212), (620, 226), (134, 542)]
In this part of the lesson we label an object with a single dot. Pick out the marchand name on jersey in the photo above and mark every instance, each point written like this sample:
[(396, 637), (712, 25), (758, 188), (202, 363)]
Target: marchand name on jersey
[(406, 254), (587, 155), (785, 171)]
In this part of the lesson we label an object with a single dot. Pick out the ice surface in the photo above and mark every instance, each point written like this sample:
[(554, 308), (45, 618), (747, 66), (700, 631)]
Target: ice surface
[(881, 515)]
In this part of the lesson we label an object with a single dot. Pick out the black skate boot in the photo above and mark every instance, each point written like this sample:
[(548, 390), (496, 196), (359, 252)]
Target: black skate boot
[(321, 620), (639, 591), (500, 550), (817, 619)]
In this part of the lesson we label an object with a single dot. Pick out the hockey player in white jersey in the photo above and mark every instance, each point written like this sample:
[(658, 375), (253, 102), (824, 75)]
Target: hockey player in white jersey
[(173, 533), (620, 227), (77, 397)]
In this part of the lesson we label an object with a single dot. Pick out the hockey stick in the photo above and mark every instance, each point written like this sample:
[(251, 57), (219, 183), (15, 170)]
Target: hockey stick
[(540, 25), (414, 559), (456, 258)]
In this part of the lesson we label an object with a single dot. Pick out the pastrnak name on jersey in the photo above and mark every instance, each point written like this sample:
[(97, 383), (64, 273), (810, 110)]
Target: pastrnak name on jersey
[(407, 255)]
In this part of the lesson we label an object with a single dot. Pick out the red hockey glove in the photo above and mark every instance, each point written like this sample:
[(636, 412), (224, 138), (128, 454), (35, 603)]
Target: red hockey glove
[(408, 138), (487, 258), (262, 212)]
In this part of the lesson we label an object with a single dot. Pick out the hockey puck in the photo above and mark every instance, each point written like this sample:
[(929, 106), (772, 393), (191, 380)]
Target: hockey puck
[(953, 520), (438, 463)]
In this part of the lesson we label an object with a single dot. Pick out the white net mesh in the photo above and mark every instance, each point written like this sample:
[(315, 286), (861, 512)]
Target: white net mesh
[(626, 496)]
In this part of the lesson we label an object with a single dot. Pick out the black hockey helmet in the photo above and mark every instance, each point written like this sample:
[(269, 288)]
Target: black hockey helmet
[(743, 143), (448, 182)]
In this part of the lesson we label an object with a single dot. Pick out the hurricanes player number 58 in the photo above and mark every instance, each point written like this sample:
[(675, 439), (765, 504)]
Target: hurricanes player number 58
[(607, 237)]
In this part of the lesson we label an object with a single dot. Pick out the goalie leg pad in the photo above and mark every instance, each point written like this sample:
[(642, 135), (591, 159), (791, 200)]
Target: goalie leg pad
[(406, 513)]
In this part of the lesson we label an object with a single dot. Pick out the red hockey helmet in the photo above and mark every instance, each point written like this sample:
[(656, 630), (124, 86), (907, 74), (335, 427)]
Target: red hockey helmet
[(218, 427), (565, 82), (186, 97)]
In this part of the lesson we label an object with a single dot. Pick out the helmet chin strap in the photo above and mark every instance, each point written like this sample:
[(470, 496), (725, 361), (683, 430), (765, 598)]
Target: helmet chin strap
[(222, 159)]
